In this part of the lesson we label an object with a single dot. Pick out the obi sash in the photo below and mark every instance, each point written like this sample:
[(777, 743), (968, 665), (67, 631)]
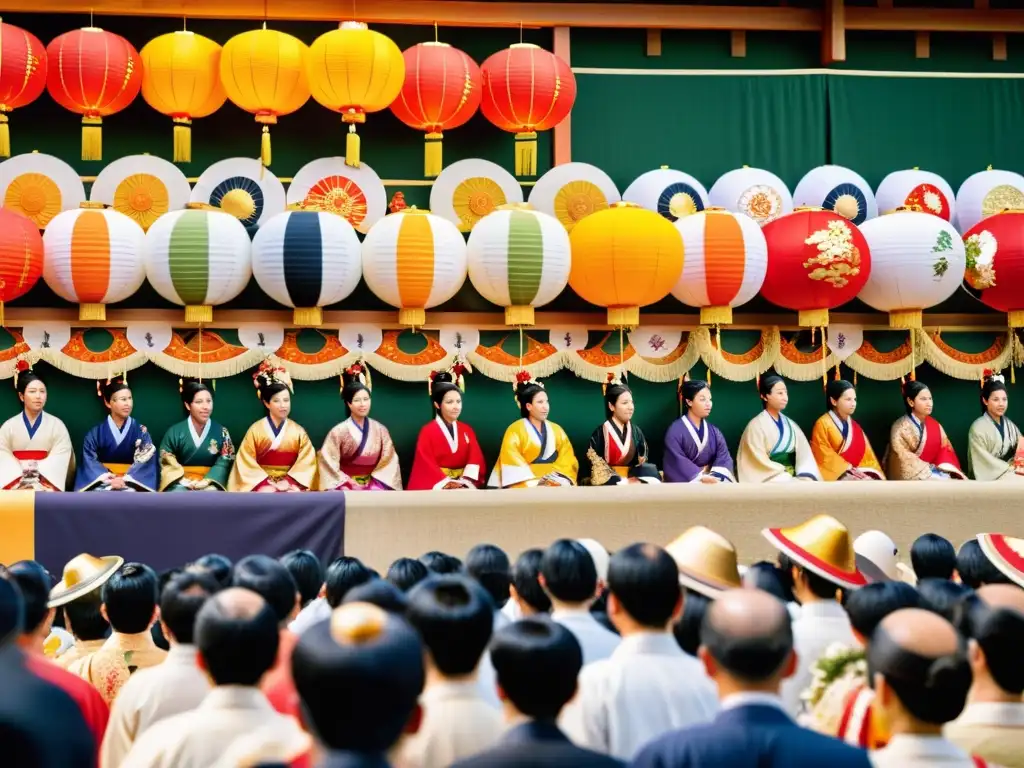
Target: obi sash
[(786, 459), (454, 473), (621, 471), (196, 473), (277, 464), (30, 455), (117, 469)]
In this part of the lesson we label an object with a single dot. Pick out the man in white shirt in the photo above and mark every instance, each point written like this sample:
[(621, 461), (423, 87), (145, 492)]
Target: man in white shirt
[(343, 574), (569, 576), (178, 685), (488, 565), (648, 686)]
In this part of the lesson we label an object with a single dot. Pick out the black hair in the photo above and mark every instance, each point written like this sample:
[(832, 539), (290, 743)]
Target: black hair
[(687, 629), (766, 383), (84, 619), (156, 630), (26, 378), (34, 582), (768, 577), (835, 389), (689, 390), (267, 391), (932, 557), (525, 392), (489, 565), (349, 392), (569, 571), (911, 389), (182, 598), (611, 397), (190, 388), (381, 593), (942, 596), (442, 384), (344, 574), (270, 580), (12, 609), (645, 580), (999, 631), (975, 568), (536, 662), (751, 658), (130, 596), (112, 387), (238, 644), (218, 565), (820, 586), (991, 386), (868, 605), (439, 562), (455, 618), (405, 573), (524, 578), (307, 572)]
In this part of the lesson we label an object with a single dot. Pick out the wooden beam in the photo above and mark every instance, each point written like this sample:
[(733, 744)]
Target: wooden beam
[(833, 33), (933, 20), (922, 45), (563, 131), (981, 5), (885, 3), (654, 42), (999, 52), (738, 44)]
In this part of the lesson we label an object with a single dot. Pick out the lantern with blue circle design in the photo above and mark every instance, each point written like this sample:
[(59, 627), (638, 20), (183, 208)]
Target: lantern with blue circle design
[(837, 189), (242, 187), (671, 193)]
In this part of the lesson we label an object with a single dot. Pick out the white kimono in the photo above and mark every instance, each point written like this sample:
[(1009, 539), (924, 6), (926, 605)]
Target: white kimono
[(822, 624), (992, 448), (46, 442), (774, 451)]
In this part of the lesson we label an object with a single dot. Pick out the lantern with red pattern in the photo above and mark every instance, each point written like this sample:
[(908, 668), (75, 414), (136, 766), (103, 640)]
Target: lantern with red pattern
[(22, 75), (817, 260), (21, 256), (526, 89), (995, 263), (96, 74), (441, 92)]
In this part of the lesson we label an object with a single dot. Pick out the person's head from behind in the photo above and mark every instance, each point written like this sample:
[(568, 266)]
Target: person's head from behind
[(747, 642), (766, 576), (993, 621), (359, 676), (307, 573), (568, 574), (405, 573), (12, 610), (84, 618), (489, 565), (381, 593), (130, 599), (806, 585), (180, 602), (867, 606), (454, 616), (344, 574), (687, 629), (526, 589), (34, 583), (536, 662), (237, 635), (932, 557), (975, 569), (942, 597), (440, 562), (218, 565), (643, 582), (270, 580)]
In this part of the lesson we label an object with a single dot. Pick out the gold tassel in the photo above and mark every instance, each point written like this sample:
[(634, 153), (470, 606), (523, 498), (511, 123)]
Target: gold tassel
[(92, 138), (432, 163), (5, 137), (352, 147), (265, 155), (837, 371), (709, 377), (183, 140), (3, 321), (526, 153)]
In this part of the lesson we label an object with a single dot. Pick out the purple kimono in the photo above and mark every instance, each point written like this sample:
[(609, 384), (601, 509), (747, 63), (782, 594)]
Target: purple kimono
[(694, 451)]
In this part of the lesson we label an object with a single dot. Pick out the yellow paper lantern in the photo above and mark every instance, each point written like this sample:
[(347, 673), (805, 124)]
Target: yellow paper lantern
[(264, 72), (354, 70), (623, 258), (181, 79)]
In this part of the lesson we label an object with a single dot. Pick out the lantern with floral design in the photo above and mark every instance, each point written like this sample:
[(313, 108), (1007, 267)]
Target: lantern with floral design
[(994, 248), (22, 75), (918, 190), (21, 256), (759, 194), (987, 193)]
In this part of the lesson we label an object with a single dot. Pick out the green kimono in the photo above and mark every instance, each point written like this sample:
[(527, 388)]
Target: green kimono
[(196, 462)]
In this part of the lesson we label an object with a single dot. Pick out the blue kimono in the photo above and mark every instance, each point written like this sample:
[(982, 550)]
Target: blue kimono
[(127, 452)]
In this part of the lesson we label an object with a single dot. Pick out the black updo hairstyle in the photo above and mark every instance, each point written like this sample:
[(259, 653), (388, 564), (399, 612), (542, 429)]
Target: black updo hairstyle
[(111, 388), (25, 378), (267, 391), (834, 390), (611, 396), (442, 384), (190, 388), (765, 385), (911, 389), (689, 390), (525, 392), (353, 386), (993, 383)]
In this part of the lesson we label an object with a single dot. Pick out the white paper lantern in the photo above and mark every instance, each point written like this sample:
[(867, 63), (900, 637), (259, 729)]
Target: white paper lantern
[(572, 191), (838, 189), (467, 190), (759, 194), (414, 260), (916, 189), (917, 261), (987, 193), (198, 257), (307, 260), (519, 259), (671, 193), (94, 257)]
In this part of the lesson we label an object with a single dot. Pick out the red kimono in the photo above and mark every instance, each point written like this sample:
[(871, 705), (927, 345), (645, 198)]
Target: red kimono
[(446, 454)]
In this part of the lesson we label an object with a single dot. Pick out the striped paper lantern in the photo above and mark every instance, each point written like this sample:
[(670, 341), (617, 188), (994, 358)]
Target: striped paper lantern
[(726, 261), (94, 257), (307, 260), (519, 259), (198, 257), (21, 256), (414, 260)]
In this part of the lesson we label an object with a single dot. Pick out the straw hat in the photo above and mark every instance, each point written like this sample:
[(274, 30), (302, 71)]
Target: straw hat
[(706, 561), (821, 545), (82, 575), (1006, 553)]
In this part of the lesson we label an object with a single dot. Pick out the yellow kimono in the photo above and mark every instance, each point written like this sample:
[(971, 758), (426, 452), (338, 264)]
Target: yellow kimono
[(839, 446), (774, 451), (992, 449), (529, 455), (268, 453)]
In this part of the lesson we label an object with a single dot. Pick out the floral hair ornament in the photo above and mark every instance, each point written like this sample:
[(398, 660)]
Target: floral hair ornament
[(268, 374), (21, 367), (611, 380), (523, 378), (989, 375), (359, 372)]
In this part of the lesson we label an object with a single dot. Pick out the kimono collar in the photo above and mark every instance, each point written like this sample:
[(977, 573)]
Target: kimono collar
[(270, 422), (779, 422), (623, 433), (32, 428), (916, 422), (363, 432), (119, 434), (542, 433), (450, 432), (198, 439), (698, 429), (841, 425), (1000, 425)]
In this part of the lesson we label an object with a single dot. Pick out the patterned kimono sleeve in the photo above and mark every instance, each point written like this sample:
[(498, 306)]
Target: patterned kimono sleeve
[(221, 469)]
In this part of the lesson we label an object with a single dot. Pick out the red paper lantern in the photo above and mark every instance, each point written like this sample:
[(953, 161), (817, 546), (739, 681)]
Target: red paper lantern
[(21, 256), (995, 263), (526, 89), (817, 260), (22, 75), (95, 74), (441, 92)]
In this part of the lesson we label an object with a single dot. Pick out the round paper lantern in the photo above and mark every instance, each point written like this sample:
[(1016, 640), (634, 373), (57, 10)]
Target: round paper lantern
[(95, 74), (917, 261), (918, 190), (987, 193), (414, 260), (995, 263), (519, 259), (142, 187), (21, 256), (263, 72), (726, 261), (468, 190), (759, 194), (93, 256), (198, 257), (817, 260), (441, 92), (243, 187), (181, 79), (22, 75), (328, 184), (354, 70), (572, 191), (307, 260), (39, 186), (623, 258), (526, 89), (838, 189), (671, 193)]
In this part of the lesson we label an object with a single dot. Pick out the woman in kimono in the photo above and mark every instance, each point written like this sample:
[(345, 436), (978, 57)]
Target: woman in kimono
[(918, 446), (35, 449), (358, 454), (448, 456), (276, 455), (535, 451), (118, 453), (772, 447), (838, 443), (993, 439), (196, 454), (618, 447), (695, 451)]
